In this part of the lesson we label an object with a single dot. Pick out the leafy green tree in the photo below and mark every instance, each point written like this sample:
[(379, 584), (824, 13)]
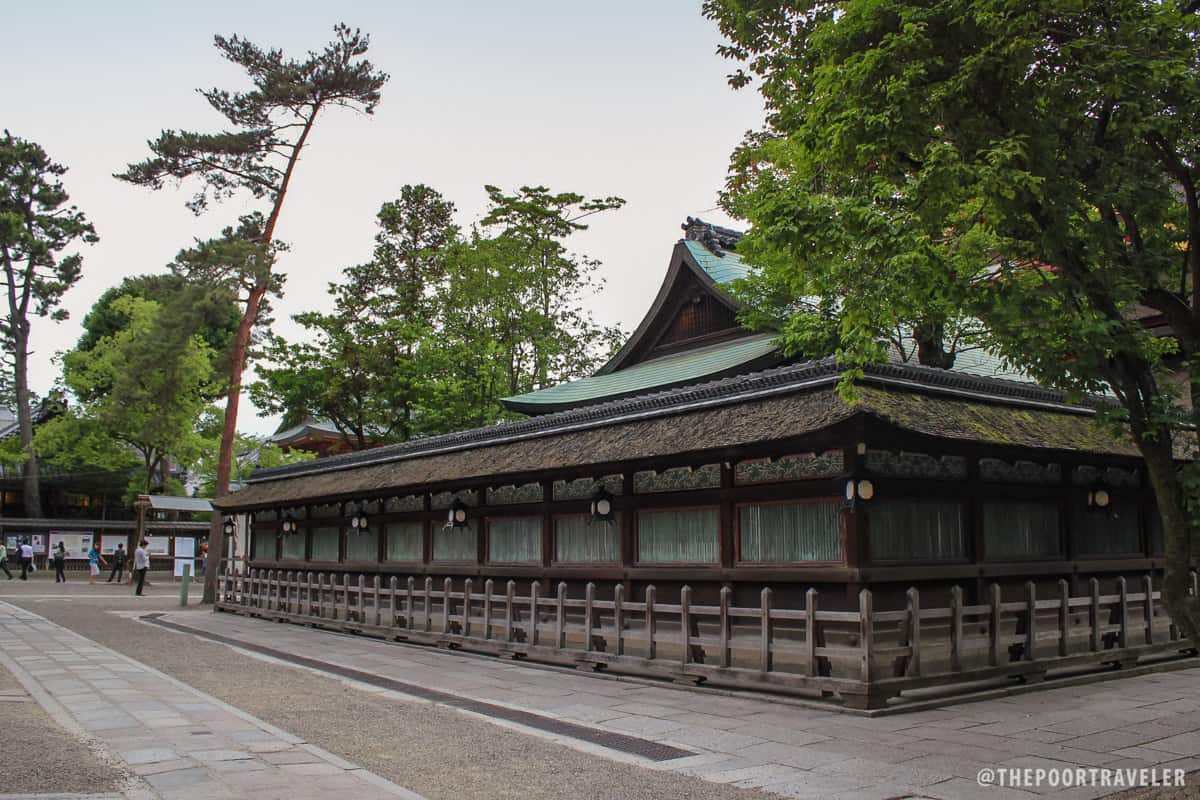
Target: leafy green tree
[(1030, 165), (364, 370), (251, 453), (271, 124), (36, 227), (141, 390)]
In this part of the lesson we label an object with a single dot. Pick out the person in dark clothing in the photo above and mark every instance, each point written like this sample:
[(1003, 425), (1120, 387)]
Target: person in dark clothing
[(118, 569), (59, 558)]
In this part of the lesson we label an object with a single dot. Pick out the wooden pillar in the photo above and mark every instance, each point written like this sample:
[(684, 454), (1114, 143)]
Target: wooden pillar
[(548, 547), (628, 512), (728, 551), (427, 529)]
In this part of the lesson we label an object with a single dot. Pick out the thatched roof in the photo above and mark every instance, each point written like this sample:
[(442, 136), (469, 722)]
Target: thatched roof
[(785, 403)]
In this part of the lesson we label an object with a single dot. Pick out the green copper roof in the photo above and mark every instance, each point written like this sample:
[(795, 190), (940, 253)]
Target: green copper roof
[(722, 269), (672, 370)]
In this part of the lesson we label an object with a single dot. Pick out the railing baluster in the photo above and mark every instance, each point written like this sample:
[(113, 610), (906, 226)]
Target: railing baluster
[(375, 584), (588, 598), (866, 617), (725, 656), (1031, 617), (487, 608), (510, 591), (1148, 607), (534, 588), (651, 645), (394, 594), (618, 618), (428, 606), (466, 612), (956, 628), (685, 624), (560, 617), (447, 589), (1094, 613), (810, 631), (764, 644), (914, 631), (1064, 617), (1123, 634)]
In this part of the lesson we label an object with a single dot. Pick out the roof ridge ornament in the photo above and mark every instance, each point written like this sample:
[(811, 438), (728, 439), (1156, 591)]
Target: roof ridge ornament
[(718, 240)]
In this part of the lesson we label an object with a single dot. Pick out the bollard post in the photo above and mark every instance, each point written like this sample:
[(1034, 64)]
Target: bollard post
[(183, 587)]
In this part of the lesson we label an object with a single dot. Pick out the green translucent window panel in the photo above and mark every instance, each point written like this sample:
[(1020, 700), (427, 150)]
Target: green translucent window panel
[(684, 537), (362, 546), (325, 543), (293, 545), (406, 541), (1112, 532), (512, 541), (455, 544), (264, 544), (1019, 529), (580, 540), (787, 532), (915, 530)]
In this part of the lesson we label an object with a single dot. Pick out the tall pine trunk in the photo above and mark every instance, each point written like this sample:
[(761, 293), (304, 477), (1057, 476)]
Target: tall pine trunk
[(30, 474)]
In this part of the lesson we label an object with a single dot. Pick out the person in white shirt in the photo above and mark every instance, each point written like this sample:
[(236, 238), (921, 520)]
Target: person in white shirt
[(141, 563), (26, 560), (4, 560)]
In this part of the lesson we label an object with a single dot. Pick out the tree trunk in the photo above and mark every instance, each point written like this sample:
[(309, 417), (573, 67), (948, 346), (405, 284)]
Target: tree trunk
[(216, 535), (30, 474), (931, 345), (1160, 467)]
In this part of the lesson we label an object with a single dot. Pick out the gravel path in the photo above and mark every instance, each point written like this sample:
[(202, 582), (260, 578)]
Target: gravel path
[(434, 751), (40, 756)]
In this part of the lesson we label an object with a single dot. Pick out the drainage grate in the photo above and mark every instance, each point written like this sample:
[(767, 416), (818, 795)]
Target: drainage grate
[(613, 741)]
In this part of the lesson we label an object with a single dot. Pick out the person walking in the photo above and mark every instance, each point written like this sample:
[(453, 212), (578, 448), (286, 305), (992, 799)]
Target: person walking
[(118, 561), (4, 559), (58, 555), (203, 559), (26, 550), (141, 563), (95, 561)]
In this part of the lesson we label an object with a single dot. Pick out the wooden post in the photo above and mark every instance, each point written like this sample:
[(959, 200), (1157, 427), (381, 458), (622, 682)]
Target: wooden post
[(810, 630), (1094, 613), (1123, 591), (618, 618), (725, 656), (995, 639), (866, 613), (466, 608), (1148, 607), (488, 585), (956, 628), (447, 589), (428, 607), (510, 591), (320, 595), (378, 601), (651, 648), (1031, 616), (409, 585), (764, 642), (362, 594), (183, 587), (394, 594), (308, 593), (560, 618), (914, 631), (588, 598), (1064, 617), (534, 589), (685, 623)]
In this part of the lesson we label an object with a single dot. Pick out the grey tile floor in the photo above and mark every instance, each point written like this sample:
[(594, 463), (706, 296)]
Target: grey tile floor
[(1136, 722), (183, 743)]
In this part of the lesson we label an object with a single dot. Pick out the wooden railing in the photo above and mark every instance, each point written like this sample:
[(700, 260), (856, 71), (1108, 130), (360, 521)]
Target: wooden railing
[(865, 657)]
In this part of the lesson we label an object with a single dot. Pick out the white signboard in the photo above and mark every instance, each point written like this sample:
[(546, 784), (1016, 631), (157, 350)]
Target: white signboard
[(185, 551), (77, 544), (38, 542), (109, 542), (158, 545)]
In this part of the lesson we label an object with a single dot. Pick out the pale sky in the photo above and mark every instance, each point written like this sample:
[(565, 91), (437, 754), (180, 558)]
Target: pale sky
[(621, 97)]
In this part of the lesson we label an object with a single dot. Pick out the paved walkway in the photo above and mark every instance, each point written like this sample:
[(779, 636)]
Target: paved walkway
[(182, 743), (1139, 721)]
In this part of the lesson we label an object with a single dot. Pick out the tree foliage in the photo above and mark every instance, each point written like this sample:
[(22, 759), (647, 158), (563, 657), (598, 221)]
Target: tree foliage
[(428, 335), (1028, 165), (270, 125), (37, 227)]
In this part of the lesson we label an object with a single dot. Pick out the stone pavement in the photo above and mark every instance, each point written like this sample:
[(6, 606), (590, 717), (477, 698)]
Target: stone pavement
[(182, 743), (1149, 721)]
